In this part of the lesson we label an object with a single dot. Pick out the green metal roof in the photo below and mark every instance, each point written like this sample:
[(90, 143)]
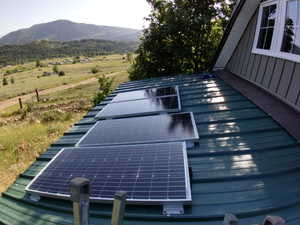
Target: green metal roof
[(244, 163)]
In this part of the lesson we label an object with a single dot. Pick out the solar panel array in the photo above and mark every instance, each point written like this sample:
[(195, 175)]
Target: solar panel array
[(153, 173), (146, 93), (138, 130), (143, 107), (129, 151), (142, 102)]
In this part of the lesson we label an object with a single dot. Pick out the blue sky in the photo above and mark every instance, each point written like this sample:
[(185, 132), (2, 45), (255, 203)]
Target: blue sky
[(17, 14)]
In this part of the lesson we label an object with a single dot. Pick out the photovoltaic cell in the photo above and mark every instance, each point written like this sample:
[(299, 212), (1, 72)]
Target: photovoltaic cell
[(147, 106), (151, 174), (141, 130), (146, 93)]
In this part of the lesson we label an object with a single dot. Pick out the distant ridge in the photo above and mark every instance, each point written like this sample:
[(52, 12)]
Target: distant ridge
[(65, 30)]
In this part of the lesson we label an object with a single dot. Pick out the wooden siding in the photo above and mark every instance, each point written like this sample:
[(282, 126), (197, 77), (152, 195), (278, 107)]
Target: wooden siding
[(278, 76)]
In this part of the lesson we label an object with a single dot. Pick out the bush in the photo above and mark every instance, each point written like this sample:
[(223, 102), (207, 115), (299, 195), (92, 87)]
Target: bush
[(95, 70), (4, 81), (105, 87), (55, 69), (55, 115), (12, 80), (61, 73), (38, 63)]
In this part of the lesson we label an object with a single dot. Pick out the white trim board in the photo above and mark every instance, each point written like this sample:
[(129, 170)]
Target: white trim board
[(236, 33)]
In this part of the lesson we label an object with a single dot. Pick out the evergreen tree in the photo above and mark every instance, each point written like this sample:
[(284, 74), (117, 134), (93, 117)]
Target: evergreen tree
[(55, 69), (4, 81)]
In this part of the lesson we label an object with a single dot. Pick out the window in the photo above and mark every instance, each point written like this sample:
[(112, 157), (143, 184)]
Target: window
[(267, 27), (291, 35), (278, 29)]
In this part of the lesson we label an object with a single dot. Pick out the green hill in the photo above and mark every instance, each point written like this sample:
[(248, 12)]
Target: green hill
[(38, 50)]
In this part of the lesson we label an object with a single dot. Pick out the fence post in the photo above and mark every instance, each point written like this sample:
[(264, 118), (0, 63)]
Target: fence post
[(80, 195), (20, 103), (37, 95), (119, 208)]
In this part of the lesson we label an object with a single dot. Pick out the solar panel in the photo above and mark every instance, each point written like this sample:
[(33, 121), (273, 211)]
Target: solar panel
[(141, 130), (147, 106), (146, 93), (150, 174)]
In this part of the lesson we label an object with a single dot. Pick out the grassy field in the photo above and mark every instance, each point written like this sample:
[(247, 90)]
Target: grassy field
[(25, 134), (31, 78)]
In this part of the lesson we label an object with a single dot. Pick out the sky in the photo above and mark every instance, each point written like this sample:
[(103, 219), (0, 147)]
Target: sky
[(18, 14)]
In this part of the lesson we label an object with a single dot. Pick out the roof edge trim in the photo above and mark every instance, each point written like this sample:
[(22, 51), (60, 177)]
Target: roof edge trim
[(234, 31)]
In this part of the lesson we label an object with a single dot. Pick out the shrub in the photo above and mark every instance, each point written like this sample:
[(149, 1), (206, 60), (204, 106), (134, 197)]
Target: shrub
[(105, 87), (61, 73), (55, 115), (55, 69), (95, 70), (38, 63), (4, 81), (12, 80)]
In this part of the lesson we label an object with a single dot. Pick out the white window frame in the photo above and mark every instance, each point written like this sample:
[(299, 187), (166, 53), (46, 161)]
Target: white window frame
[(275, 50)]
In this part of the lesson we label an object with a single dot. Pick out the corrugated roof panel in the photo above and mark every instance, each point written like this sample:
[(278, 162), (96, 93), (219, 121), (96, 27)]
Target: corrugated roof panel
[(243, 163)]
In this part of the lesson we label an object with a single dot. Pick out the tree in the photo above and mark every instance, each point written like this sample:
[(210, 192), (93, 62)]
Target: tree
[(12, 80), (4, 81), (182, 37), (55, 69), (37, 63)]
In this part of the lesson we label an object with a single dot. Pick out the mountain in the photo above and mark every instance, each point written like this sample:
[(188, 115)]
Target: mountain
[(64, 30)]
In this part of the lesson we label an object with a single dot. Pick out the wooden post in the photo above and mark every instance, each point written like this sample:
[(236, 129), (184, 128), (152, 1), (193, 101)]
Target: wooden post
[(37, 95), (80, 195), (20, 103), (118, 208)]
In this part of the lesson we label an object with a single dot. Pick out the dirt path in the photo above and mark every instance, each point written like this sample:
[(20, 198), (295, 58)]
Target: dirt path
[(13, 101)]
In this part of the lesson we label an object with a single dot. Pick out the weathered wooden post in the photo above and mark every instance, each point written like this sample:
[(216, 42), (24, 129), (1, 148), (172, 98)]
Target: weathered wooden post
[(80, 195), (37, 95), (20, 103), (118, 208)]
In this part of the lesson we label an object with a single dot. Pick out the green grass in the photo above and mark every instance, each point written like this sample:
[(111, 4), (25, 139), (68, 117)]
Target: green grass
[(27, 81), (25, 134)]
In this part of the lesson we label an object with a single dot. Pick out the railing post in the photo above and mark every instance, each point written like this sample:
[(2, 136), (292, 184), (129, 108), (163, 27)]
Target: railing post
[(273, 220), (80, 195), (230, 219), (118, 208)]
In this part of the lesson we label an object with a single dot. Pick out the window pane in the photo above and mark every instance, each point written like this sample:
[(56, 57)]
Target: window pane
[(288, 39), (272, 16), (261, 38), (296, 48), (264, 18), (290, 43), (269, 37), (267, 27), (291, 13)]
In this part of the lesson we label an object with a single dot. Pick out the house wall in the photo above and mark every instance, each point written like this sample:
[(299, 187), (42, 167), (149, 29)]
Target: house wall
[(278, 76)]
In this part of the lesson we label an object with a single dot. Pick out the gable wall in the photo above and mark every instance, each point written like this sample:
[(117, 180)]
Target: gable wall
[(278, 76)]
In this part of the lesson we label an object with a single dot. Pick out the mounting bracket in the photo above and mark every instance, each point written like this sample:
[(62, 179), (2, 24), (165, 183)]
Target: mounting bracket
[(173, 209)]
